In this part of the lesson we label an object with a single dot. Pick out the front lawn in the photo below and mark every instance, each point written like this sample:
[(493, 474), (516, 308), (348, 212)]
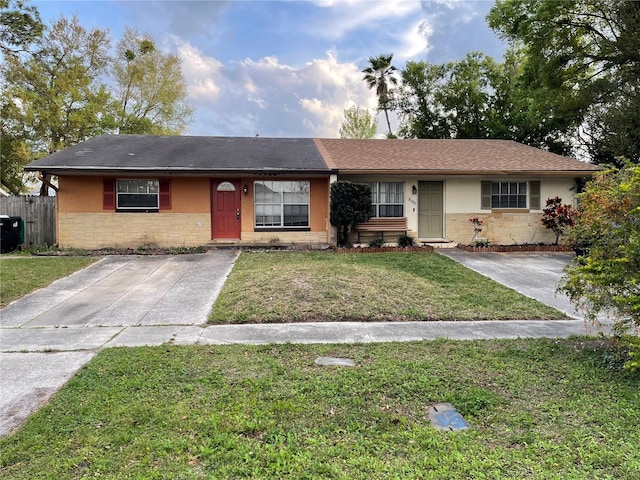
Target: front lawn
[(22, 275), (539, 409), (325, 286)]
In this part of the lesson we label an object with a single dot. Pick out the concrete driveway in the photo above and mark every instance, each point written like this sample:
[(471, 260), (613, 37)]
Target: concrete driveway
[(534, 274), (48, 335)]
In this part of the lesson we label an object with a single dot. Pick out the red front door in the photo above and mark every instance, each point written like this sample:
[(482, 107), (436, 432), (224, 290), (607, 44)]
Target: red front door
[(225, 209)]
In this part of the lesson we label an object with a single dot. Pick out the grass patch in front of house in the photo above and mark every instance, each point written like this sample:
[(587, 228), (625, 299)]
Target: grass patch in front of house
[(324, 286), (22, 275), (539, 409)]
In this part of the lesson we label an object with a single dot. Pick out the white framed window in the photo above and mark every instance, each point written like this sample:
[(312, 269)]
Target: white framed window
[(387, 199), (135, 194), (517, 195), (281, 204)]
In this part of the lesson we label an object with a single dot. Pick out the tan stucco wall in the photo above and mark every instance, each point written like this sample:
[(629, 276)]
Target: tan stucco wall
[(82, 222), (462, 195), (84, 194), (462, 200)]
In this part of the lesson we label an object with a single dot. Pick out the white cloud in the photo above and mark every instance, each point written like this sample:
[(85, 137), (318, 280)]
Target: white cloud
[(350, 15), (415, 41), (203, 74), (269, 97)]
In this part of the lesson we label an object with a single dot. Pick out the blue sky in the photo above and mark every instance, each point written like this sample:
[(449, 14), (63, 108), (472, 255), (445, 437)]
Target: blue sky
[(288, 68)]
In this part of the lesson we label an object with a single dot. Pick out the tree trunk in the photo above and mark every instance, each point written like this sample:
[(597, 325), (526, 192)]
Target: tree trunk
[(386, 114), (44, 188)]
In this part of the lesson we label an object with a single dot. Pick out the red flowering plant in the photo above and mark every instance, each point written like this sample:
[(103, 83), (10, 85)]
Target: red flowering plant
[(477, 223), (557, 217)]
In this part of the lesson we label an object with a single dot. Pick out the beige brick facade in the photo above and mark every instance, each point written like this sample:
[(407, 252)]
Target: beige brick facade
[(132, 230), (500, 228), (297, 238)]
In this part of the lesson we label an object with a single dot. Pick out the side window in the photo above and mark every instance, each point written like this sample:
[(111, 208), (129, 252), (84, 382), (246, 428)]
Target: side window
[(496, 195), (136, 195)]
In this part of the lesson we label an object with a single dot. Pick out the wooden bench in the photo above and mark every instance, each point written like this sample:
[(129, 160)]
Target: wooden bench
[(383, 224)]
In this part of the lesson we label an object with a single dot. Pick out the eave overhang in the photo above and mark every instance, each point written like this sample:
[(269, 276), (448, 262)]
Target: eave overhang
[(173, 172), (474, 173)]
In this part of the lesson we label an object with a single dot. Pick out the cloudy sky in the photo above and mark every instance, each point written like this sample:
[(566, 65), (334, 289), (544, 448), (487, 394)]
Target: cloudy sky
[(285, 68)]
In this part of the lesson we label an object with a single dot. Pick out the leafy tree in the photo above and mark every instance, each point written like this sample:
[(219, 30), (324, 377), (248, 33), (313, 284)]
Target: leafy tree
[(151, 90), (467, 95), (53, 97), (557, 217), (607, 277), (419, 101), (477, 97), (350, 204), (583, 56), (20, 25), (380, 76), (55, 94), (14, 155), (358, 123)]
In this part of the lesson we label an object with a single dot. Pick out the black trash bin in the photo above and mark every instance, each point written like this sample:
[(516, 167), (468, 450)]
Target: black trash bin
[(10, 233)]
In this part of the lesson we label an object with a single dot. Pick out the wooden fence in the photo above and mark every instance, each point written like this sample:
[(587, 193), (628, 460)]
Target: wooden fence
[(38, 215)]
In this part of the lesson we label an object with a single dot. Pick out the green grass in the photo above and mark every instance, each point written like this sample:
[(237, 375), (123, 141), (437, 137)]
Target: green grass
[(324, 286), (21, 275), (539, 409)]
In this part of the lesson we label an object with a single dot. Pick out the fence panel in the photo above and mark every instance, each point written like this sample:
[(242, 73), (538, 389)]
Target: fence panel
[(38, 214)]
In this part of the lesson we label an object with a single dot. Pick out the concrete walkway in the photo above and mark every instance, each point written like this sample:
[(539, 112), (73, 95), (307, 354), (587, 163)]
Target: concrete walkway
[(47, 336)]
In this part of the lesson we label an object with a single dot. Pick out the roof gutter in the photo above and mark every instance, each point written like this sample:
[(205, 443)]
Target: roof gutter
[(93, 171)]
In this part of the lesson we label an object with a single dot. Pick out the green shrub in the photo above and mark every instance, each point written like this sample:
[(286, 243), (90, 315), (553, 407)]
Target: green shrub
[(633, 343), (376, 243), (406, 241), (350, 204)]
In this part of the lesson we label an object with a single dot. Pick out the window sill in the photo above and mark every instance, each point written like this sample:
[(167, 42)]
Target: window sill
[(510, 210), (282, 229), (136, 210)]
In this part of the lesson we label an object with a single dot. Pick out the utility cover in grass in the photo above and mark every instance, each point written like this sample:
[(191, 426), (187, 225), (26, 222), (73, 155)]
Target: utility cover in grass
[(444, 416), (339, 362)]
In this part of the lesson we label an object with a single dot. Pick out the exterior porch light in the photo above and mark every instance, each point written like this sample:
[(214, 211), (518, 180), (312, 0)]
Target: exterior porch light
[(245, 189), (414, 189)]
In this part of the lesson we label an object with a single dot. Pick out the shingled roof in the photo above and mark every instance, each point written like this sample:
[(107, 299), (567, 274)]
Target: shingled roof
[(447, 156), (185, 154), (189, 155)]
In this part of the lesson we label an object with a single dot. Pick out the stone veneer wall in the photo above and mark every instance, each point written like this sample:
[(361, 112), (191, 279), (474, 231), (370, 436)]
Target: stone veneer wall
[(501, 228)]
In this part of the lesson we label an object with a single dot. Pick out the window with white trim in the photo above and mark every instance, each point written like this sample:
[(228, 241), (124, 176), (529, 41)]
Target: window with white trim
[(387, 199), (135, 194), (281, 204)]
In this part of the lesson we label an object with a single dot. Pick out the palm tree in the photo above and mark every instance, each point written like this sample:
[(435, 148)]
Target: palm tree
[(379, 75)]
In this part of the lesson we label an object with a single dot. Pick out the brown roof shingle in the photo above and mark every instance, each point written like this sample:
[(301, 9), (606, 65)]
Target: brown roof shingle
[(447, 156)]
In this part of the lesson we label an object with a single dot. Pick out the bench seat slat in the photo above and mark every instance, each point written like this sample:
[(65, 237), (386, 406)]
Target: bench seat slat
[(383, 224)]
